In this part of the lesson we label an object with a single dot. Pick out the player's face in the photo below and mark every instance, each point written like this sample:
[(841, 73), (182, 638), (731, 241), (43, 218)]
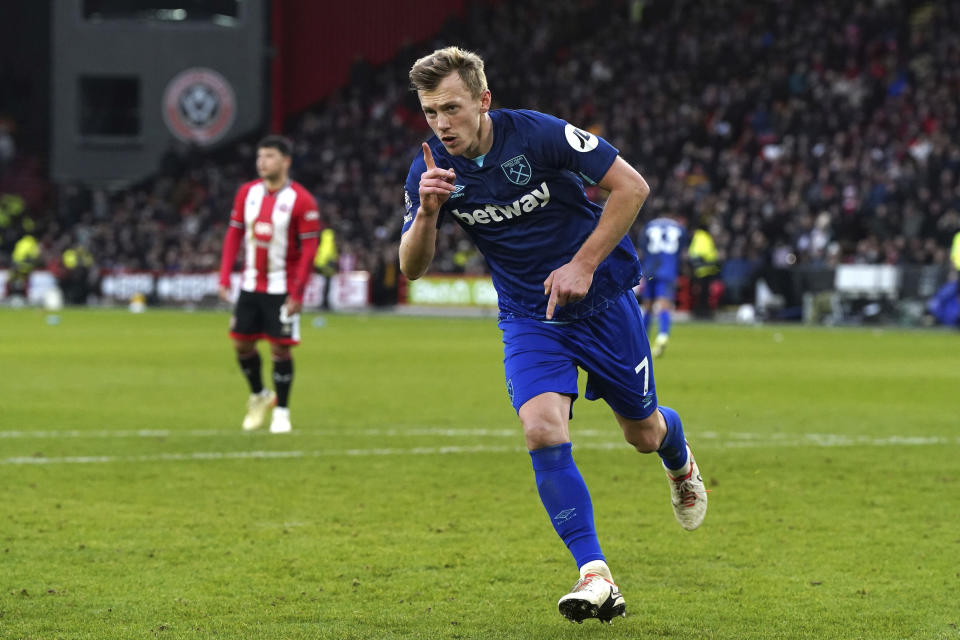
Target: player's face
[(456, 116), (271, 164)]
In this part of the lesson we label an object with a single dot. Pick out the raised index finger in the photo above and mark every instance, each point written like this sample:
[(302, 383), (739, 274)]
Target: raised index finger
[(551, 303), (428, 156)]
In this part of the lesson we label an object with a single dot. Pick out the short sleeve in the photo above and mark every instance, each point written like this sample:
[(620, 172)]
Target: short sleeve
[(562, 145)]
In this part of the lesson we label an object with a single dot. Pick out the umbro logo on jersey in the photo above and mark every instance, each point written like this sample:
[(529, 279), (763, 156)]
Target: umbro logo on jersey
[(518, 170), (536, 199), (458, 191)]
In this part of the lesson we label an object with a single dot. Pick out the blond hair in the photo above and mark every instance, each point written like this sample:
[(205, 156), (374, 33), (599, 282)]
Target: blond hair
[(429, 71)]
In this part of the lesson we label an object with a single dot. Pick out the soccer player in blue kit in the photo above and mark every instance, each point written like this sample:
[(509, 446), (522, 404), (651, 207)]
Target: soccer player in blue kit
[(563, 270), (664, 241)]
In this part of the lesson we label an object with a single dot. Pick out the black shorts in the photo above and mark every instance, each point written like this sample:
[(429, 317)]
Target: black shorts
[(260, 315)]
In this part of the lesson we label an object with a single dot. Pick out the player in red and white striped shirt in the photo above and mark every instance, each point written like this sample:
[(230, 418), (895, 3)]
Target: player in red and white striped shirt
[(277, 222)]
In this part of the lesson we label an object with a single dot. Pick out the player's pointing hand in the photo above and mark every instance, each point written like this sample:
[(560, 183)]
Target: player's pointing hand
[(436, 184), (569, 283)]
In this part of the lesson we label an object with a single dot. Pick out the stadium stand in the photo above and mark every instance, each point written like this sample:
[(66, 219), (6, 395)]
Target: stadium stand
[(801, 133)]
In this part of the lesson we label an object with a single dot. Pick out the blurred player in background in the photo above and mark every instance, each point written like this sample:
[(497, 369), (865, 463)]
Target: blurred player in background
[(665, 240), (563, 270), (277, 222)]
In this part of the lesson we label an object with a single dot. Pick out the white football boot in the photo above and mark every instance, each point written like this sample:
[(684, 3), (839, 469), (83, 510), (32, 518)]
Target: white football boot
[(594, 596), (257, 407), (659, 345), (688, 496), (280, 423)]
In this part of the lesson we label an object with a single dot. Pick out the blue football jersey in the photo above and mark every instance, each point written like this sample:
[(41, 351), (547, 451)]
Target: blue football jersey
[(664, 240), (526, 210)]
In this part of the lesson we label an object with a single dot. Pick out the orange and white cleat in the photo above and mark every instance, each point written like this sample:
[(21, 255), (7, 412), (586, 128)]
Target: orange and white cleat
[(688, 496), (594, 596)]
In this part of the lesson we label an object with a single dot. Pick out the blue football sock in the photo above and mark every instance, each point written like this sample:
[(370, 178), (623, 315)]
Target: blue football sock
[(673, 449), (567, 501), (645, 316), (663, 318)]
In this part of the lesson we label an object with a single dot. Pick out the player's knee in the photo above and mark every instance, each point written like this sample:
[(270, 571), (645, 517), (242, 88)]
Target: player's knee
[(280, 352), (244, 347), (544, 419), (542, 429), (539, 434)]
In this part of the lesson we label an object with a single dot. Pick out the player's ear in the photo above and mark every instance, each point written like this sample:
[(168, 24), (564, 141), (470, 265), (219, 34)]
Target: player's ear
[(485, 101)]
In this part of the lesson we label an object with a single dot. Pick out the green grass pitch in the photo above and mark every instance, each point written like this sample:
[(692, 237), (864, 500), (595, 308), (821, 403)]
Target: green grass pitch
[(403, 504)]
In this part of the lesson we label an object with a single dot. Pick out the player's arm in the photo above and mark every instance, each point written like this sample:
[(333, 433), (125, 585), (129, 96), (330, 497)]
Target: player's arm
[(231, 245), (308, 234), (418, 244), (628, 191)]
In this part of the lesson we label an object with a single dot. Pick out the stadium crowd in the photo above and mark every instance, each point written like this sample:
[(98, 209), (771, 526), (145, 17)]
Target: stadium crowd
[(796, 132)]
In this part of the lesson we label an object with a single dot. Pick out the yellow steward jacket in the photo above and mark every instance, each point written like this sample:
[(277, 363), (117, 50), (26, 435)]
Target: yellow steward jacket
[(955, 252), (326, 258), (703, 254)]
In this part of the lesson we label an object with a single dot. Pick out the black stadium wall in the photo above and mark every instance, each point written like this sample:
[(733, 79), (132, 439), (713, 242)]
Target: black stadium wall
[(132, 79)]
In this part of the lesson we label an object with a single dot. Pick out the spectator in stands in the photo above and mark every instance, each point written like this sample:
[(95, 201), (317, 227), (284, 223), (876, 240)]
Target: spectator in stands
[(769, 117)]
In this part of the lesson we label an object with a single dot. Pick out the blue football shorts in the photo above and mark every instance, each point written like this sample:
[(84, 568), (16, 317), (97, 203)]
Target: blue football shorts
[(659, 288), (611, 346)]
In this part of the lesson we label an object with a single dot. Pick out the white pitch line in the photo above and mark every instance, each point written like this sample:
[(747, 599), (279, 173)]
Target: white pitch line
[(244, 455), (731, 439), (103, 433), (208, 433), (811, 440)]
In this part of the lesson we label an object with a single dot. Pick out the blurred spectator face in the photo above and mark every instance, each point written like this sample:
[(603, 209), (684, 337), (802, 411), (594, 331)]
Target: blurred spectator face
[(272, 165), (455, 115)]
